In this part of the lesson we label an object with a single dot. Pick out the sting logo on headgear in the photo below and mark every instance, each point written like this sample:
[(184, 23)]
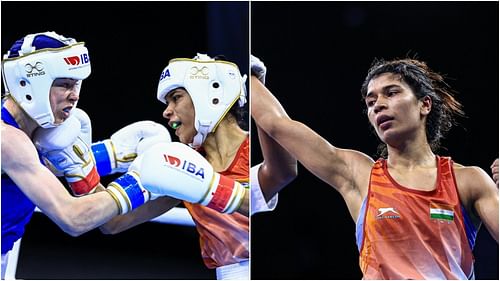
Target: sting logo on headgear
[(199, 73), (186, 166), (34, 70), (75, 60), (214, 86), (29, 69)]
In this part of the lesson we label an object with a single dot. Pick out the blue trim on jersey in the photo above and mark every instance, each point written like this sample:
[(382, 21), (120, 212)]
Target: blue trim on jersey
[(470, 229), (17, 209), (101, 158), (8, 118), (360, 223), (132, 188)]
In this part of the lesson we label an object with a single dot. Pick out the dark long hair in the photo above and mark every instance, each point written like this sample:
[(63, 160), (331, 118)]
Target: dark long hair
[(424, 82)]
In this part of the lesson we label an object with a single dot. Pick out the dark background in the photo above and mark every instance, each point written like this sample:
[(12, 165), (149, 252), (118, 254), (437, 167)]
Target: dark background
[(129, 45), (318, 54)]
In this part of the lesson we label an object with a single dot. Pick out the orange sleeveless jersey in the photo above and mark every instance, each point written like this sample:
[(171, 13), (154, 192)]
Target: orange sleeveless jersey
[(224, 237), (411, 234)]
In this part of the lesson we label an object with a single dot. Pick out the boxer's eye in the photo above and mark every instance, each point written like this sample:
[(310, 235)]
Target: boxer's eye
[(175, 97)]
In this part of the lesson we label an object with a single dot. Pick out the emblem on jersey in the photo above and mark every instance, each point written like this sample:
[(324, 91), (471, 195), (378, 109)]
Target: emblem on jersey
[(441, 212), (387, 213)]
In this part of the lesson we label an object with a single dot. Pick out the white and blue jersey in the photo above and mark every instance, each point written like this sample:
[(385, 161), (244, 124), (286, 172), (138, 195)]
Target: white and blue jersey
[(17, 209)]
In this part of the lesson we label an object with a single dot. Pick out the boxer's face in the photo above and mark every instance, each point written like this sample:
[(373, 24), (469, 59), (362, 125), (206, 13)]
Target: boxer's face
[(393, 109), (64, 93), (180, 114)]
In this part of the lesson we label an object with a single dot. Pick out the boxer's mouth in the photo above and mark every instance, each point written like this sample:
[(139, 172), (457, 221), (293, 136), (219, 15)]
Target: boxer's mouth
[(175, 124)]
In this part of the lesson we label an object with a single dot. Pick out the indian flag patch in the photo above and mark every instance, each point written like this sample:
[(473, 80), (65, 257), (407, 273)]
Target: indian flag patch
[(441, 212)]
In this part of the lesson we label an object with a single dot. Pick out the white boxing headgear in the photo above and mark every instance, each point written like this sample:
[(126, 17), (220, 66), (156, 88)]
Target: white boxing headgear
[(34, 62), (214, 86)]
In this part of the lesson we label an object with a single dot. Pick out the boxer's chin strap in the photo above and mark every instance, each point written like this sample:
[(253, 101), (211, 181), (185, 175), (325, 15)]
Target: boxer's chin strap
[(201, 136)]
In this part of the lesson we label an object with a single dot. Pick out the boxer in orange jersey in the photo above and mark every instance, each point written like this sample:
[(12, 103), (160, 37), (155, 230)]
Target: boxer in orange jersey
[(224, 238), (417, 213)]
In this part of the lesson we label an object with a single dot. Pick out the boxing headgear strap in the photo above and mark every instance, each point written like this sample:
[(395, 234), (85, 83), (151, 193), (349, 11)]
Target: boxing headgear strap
[(214, 86), (29, 75)]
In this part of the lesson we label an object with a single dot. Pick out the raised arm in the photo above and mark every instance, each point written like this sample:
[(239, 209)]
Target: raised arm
[(338, 167), (346, 170), (279, 167)]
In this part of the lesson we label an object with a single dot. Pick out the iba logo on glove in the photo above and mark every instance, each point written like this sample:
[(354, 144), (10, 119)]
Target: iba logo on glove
[(186, 166)]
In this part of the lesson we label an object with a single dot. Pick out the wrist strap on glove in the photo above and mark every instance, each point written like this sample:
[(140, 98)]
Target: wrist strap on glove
[(102, 157), (228, 195), (128, 192)]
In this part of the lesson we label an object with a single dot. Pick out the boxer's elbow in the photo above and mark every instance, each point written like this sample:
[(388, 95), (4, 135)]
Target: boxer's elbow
[(77, 221), (73, 228), (277, 125), (73, 231), (273, 178)]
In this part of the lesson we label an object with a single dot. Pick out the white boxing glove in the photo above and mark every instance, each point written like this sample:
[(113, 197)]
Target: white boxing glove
[(258, 68), (67, 148), (176, 170), (115, 154)]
